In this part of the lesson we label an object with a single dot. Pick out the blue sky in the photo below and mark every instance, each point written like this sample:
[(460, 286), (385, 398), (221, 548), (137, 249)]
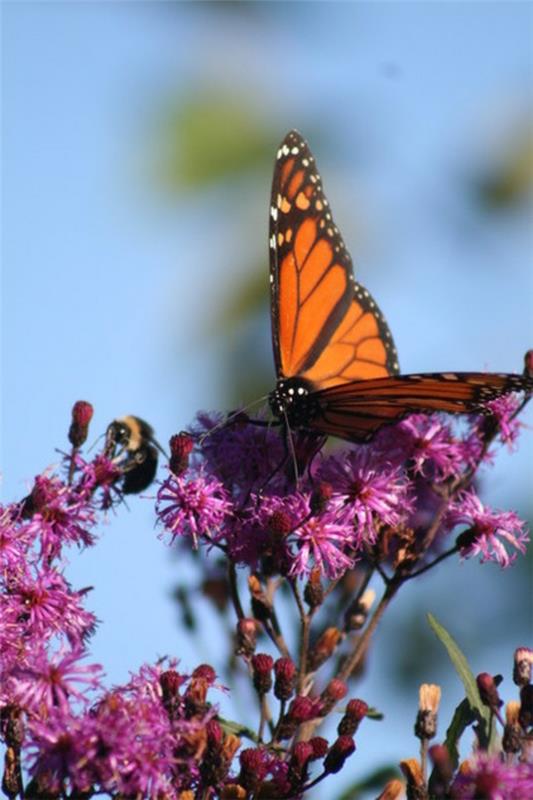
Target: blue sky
[(107, 280)]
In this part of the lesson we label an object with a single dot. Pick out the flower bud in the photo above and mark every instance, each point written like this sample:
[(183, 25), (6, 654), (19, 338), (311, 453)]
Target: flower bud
[(324, 647), (512, 732), (393, 790), (285, 671), (355, 711), (82, 413), (206, 672), (280, 524), (525, 715), (170, 682), (246, 636), (357, 612), (320, 746), (488, 691), (442, 772), (261, 605), (342, 748), (334, 691), (428, 705), (262, 672), (230, 747), (300, 757), (523, 660), (314, 591), (253, 769), (416, 787), (181, 445)]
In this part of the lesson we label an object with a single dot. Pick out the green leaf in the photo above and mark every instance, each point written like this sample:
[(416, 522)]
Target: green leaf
[(374, 714), (237, 729), (464, 672), (462, 719)]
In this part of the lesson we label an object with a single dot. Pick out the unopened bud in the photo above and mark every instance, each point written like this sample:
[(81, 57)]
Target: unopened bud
[(314, 591), (262, 672), (246, 636), (320, 746), (82, 413), (253, 769), (525, 715), (334, 691), (280, 524), (300, 757), (428, 705), (512, 732), (488, 691), (356, 614), (170, 682), (261, 605), (442, 772), (523, 661), (393, 790), (355, 711), (181, 445), (342, 748), (416, 786), (285, 671), (324, 647)]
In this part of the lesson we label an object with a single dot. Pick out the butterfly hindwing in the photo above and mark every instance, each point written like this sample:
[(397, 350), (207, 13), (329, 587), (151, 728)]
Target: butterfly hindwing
[(326, 328), (357, 410)]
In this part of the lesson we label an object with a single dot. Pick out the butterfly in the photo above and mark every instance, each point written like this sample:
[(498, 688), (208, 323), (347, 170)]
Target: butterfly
[(336, 363)]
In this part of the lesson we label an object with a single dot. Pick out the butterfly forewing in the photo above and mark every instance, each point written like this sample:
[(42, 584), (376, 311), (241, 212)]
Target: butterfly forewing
[(326, 328)]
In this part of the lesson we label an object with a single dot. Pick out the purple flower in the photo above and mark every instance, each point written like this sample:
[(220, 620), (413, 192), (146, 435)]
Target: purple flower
[(15, 541), (504, 408), (58, 516), (99, 477), (367, 492), (286, 528), (430, 446), (46, 605), (489, 532), (240, 454), (488, 777), (194, 507), (46, 683)]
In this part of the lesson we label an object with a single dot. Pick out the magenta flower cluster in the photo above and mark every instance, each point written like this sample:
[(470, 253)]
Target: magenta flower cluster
[(240, 495)]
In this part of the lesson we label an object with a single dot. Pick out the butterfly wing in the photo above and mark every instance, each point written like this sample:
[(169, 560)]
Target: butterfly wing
[(355, 411), (326, 328)]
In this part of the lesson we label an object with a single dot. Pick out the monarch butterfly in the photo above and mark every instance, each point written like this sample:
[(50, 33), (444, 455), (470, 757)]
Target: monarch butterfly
[(336, 363)]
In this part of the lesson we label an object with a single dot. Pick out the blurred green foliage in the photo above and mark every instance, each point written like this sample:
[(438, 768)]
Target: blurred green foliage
[(212, 136), (373, 782), (508, 181)]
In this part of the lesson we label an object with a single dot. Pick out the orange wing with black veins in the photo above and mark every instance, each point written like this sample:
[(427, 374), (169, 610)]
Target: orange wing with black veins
[(326, 328)]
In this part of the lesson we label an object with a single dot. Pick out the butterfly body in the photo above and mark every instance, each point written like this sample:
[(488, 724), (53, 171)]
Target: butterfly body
[(336, 363)]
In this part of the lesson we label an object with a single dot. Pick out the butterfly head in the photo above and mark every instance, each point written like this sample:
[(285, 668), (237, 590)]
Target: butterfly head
[(293, 401)]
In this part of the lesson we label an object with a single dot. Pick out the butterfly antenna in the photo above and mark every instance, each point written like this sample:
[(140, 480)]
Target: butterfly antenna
[(232, 416), (290, 446)]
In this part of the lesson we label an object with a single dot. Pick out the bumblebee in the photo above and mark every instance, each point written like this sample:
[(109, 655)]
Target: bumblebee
[(130, 443)]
